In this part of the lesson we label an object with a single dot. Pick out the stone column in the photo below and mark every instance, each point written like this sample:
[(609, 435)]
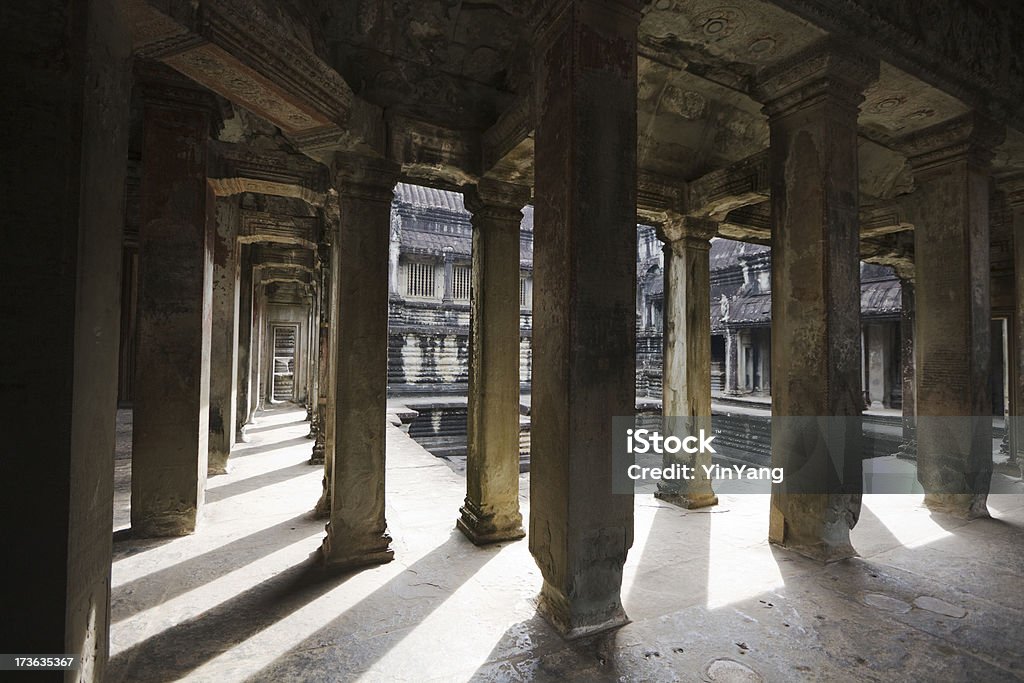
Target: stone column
[(908, 444), (732, 362), (312, 335), (172, 383), (877, 360), (224, 343), (256, 348), (686, 343), (323, 505), (1015, 198), (66, 90), (950, 212), (323, 256), (357, 533), (812, 105), (491, 510), (585, 243), (449, 275), (245, 301)]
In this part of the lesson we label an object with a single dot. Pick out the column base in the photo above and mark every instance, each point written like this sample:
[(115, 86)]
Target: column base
[(823, 552), (483, 529), (346, 554), (809, 532), (167, 525), (216, 463), (964, 505), (323, 506), (907, 450), (317, 457), (688, 501), (572, 624)]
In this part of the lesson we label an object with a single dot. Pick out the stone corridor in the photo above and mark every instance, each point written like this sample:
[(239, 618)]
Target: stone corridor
[(708, 597)]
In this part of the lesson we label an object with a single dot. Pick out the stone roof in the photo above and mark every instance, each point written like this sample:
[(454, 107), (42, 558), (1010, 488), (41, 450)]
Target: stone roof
[(881, 298), (430, 198), (725, 253)]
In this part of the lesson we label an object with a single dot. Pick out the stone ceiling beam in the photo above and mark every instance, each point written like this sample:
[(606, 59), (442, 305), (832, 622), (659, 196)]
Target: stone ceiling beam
[(430, 154), (235, 49), (719, 192), (506, 148), (235, 169)]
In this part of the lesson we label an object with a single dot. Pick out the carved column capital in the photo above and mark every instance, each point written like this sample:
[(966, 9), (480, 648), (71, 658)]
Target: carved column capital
[(365, 177), (497, 199), (1013, 189), (686, 232), (972, 137), (826, 68)]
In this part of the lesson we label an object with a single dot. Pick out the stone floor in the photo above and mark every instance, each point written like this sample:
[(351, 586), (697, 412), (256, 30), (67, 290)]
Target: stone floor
[(931, 598)]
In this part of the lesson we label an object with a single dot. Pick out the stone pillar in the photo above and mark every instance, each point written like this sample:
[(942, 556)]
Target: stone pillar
[(224, 343), (812, 105), (585, 244), (732, 362), (449, 275), (877, 356), (256, 348), (245, 301), (1015, 427), (686, 343), (323, 256), (172, 382), (66, 90), (950, 212), (908, 444), (357, 533), (491, 510), (323, 505)]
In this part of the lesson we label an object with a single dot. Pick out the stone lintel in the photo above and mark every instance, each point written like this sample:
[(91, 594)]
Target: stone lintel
[(364, 177), (971, 137), (235, 169), (1013, 189), (825, 69), (511, 129), (657, 195), (741, 184), (430, 153)]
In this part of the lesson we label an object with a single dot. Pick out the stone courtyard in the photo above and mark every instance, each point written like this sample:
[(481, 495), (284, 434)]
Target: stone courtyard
[(930, 597)]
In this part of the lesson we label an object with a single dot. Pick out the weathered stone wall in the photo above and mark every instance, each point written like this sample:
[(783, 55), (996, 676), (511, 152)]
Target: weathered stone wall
[(423, 360)]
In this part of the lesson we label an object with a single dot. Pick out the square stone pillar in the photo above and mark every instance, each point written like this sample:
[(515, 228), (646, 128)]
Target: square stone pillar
[(952, 333), (244, 356), (877, 358), (171, 428), (732, 362), (256, 350), (491, 510), (357, 533), (322, 332), (329, 248), (225, 335), (1014, 193), (908, 444), (686, 343), (812, 103), (585, 244), (66, 91)]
